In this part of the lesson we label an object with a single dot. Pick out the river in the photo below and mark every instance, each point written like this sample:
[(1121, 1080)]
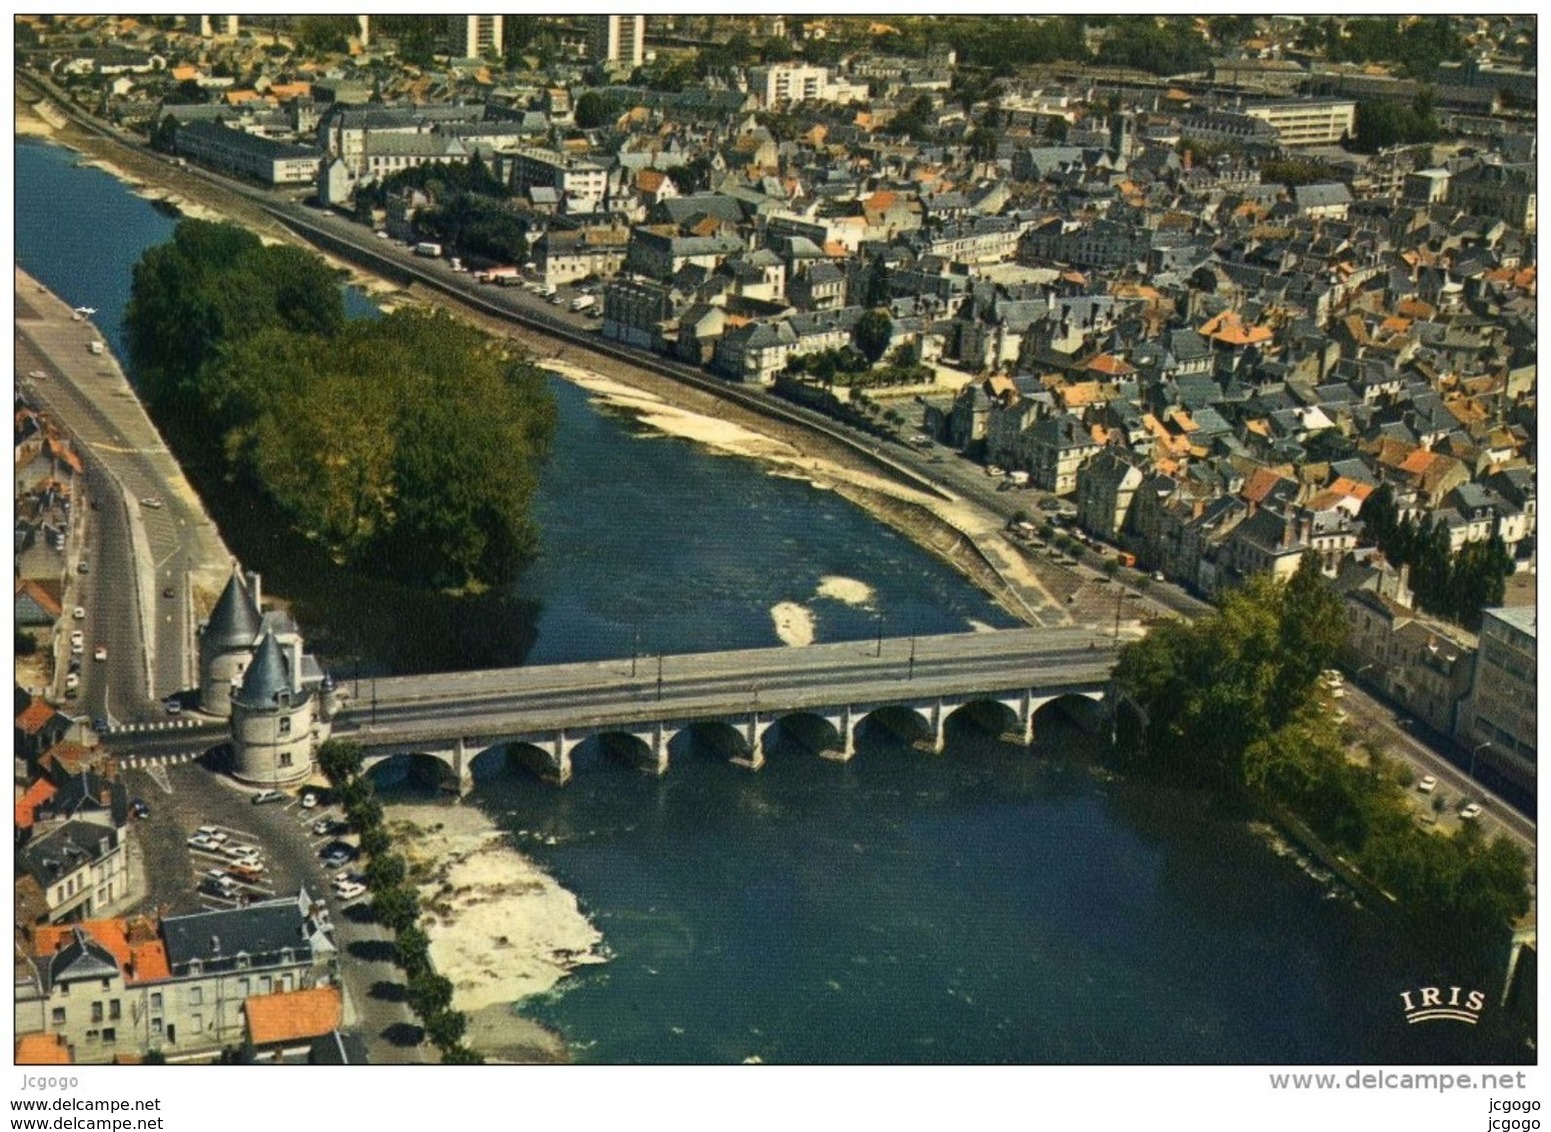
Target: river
[(992, 904)]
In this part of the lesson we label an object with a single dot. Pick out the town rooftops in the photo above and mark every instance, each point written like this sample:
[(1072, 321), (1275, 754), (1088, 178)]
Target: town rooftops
[(42, 1049), (261, 147)]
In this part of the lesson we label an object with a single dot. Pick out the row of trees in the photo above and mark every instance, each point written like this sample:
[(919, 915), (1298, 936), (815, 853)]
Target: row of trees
[(1417, 43), (407, 445), (1232, 703), (1457, 585), (395, 904), (1382, 123)]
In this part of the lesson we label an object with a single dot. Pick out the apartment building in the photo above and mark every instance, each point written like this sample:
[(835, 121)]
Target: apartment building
[(1498, 718), (475, 36), (1308, 121), (618, 40), (581, 184)]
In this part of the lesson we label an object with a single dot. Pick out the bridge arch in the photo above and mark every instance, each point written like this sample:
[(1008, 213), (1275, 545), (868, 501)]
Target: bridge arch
[(427, 770), (1082, 709), (809, 733), (896, 725), (985, 717), (729, 740)]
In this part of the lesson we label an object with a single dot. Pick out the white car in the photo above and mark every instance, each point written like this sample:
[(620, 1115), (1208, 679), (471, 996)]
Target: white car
[(200, 841), (78, 613), (72, 680), (151, 501), (212, 833), (1470, 812), (77, 638), (1428, 784), (309, 800), (100, 652), (348, 890)]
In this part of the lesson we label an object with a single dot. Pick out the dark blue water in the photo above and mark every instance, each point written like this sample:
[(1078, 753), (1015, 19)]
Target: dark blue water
[(989, 905)]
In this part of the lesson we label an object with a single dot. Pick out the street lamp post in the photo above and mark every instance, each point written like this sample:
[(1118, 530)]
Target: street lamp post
[(659, 676), (1474, 751), (1120, 598), (879, 650)]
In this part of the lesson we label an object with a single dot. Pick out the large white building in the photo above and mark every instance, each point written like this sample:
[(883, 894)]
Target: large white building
[(802, 82), (1308, 121), (618, 39), (475, 36), (581, 183)]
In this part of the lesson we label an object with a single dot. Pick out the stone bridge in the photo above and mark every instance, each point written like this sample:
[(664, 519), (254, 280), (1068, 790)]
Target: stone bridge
[(820, 694)]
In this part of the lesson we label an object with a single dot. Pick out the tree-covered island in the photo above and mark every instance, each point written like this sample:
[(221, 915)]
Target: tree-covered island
[(409, 446)]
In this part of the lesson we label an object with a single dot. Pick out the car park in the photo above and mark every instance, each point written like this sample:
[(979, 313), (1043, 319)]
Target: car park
[(1428, 784), (264, 796)]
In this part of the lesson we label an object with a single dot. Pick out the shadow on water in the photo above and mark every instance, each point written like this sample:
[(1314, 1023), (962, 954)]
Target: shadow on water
[(357, 623)]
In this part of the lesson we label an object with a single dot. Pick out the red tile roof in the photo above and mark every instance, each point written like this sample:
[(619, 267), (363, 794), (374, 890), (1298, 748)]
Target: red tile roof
[(42, 1049), (132, 943), (27, 805), (293, 1015), (33, 719)]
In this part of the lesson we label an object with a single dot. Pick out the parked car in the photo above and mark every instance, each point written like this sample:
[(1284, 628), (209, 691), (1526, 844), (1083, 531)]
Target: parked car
[(140, 808), (77, 638), (100, 652), (72, 681), (173, 707), (168, 591), (349, 890), (337, 853), (248, 872), (79, 614), (1470, 811), (212, 833), (200, 841), (309, 800), (264, 796), (1428, 784)]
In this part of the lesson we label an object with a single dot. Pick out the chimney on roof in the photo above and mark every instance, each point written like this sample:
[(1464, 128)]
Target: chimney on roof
[(215, 945)]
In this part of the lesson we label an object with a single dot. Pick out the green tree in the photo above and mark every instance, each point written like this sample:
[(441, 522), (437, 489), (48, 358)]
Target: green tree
[(878, 291), (364, 814), (339, 760), (446, 1028), (872, 333), (375, 841), (396, 908), (591, 111), (461, 1055), (429, 994), (385, 871), (412, 950)]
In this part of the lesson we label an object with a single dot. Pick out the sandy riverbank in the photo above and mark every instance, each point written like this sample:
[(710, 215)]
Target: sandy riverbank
[(500, 927)]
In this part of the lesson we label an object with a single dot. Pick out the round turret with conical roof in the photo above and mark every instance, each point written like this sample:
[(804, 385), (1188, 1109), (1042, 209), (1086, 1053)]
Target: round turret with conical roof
[(226, 643), (272, 719)]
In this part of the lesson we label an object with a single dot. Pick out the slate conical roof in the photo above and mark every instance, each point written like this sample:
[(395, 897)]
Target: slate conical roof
[(266, 677), (235, 620)]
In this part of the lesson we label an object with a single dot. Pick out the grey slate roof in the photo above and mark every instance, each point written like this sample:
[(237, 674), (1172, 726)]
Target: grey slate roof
[(81, 958), (234, 622), (260, 931), (266, 677)]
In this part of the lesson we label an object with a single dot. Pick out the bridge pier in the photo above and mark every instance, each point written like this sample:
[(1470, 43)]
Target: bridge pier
[(936, 719), (657, 743), (754, 735), (845, 726), (462, 769), (558, 773)]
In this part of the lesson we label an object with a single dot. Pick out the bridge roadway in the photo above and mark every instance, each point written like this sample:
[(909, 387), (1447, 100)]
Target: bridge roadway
[(453, 716)]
